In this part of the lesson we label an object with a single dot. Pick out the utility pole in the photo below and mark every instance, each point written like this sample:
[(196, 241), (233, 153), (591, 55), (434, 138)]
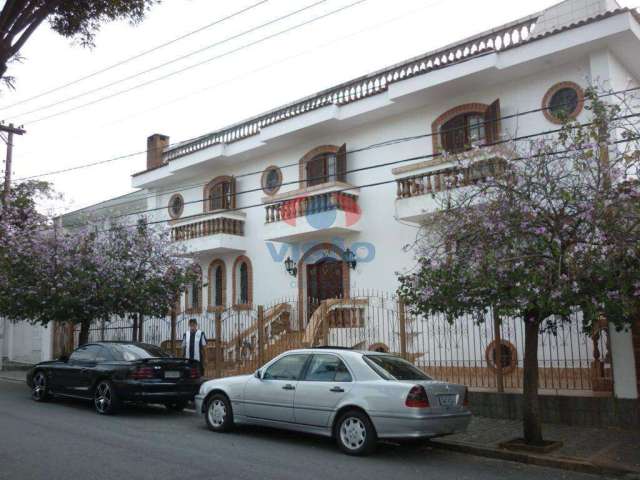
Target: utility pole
[(11, 131)]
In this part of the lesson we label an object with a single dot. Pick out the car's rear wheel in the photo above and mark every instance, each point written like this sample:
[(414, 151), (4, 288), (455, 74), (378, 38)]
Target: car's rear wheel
[(105, 398), (218, 413), (355, 433), (176, 406), (40, 391)]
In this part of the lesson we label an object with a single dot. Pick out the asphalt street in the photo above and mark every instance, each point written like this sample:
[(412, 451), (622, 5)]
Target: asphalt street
[(68, 440)]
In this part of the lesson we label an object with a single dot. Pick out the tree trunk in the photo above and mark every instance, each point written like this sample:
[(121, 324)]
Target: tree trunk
[(84, 332), (531, 407)]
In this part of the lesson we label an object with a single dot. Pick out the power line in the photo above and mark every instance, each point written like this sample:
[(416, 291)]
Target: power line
[(355, 170), (137, 56), (345, 189), (197, 64), (169, 62), (372, 146), (268, 65)]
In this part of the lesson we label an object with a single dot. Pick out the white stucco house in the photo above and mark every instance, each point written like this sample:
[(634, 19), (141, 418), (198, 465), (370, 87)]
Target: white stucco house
[(317, 199)]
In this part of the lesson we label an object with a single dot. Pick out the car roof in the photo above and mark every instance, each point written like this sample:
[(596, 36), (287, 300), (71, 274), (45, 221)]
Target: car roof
[(337, 350)]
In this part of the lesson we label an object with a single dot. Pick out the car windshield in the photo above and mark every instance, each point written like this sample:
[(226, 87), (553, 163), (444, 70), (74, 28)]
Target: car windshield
[(131, 351), (394, 368)]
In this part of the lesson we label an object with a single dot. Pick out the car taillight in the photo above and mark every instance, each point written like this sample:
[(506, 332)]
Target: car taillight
[(142, 373), (417, 398), (465, 402), (195, 373)]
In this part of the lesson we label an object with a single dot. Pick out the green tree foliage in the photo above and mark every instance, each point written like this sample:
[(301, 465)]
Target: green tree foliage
[(550, 229), (75, 19)]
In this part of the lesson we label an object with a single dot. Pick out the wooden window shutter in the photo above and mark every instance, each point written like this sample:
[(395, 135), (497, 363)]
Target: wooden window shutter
[(341, 163), (492, 122), (232, 193)]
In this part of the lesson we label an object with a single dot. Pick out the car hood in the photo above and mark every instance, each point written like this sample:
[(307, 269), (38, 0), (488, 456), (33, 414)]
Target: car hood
[(225, 382)]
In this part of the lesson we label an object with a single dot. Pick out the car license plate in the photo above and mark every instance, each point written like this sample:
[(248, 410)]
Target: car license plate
[(171, 374), (447, 400)]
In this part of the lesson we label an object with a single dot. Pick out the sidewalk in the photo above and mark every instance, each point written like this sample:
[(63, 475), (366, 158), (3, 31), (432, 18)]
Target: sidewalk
[(592, 450), (13, 375)]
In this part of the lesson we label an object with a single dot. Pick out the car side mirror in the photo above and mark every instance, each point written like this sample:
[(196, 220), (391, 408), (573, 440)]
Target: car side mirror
[(64, 358), (258, 374)]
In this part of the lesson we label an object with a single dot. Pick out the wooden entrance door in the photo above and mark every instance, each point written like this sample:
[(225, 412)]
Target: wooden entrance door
[(324, 281)]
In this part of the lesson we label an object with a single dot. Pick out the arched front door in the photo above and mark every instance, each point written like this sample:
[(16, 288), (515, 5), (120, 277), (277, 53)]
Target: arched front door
[(324, 280)]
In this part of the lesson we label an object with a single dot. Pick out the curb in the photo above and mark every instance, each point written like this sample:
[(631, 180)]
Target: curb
[(12, 379), (564, 463)]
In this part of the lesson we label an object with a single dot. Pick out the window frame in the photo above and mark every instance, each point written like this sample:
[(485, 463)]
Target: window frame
[(301, 374), (265, 176), (341, 360), (546, 102), (173, 214), (214, 285), (492, 124), (321, 153), (194, 287), (237, 301), (85, 347), (228, 197)]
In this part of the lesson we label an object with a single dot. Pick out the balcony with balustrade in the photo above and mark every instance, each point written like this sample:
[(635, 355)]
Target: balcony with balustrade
[(212, 233), (312, 213), (421, 186)]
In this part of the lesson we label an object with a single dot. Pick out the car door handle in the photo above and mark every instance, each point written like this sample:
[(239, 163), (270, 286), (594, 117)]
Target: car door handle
[(288, 386), (337, 390)]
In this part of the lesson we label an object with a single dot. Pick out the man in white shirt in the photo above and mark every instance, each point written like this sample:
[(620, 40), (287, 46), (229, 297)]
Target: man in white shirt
[(193, 343)]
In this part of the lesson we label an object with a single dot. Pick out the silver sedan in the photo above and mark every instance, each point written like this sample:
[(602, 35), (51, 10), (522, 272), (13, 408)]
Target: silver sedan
[(356, 397)]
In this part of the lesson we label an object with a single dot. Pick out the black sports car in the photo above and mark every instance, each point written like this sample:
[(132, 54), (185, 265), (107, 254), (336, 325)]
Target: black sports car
[(111, 373)]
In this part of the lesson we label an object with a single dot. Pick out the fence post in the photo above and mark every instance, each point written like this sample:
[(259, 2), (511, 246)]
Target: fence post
[(261, 336), (218, 354), (140, 328), (403, 328), (102, 328), (174, 321), (134, 335), (497, 349)]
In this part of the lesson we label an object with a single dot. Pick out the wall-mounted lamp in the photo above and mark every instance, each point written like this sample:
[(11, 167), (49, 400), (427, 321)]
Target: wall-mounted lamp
[(350, 258), (290, 265)]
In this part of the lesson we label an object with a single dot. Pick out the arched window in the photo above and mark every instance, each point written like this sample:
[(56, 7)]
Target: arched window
[(217, 285), (242, 283), (461, 128), (193, 293), (323, 164), (220, 194)]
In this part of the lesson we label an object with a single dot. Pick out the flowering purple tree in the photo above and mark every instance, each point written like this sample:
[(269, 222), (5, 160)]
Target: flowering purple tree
[(548, 230), (87, 274)]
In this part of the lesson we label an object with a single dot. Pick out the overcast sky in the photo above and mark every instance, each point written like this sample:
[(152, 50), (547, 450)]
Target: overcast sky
[(353, 42)]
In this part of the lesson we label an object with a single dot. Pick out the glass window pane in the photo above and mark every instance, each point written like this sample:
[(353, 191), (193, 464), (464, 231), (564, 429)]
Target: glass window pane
[(287, 368), (327, 368), (564, 102), (129, 351), (394, 368)]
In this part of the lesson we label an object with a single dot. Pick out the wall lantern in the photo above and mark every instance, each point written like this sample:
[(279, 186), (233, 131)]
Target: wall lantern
[(290, 265), (350, 258)]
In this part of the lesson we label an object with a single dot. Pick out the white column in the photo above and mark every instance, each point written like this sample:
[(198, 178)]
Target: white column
[(624, 366)]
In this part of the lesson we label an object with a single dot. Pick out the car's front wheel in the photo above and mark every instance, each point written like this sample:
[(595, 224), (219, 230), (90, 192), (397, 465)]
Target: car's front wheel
[(105, 398), (355, 433), (218, 413), (40, 390)]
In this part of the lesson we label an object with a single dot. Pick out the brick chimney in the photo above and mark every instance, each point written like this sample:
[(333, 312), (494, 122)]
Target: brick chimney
[(156, 143)]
